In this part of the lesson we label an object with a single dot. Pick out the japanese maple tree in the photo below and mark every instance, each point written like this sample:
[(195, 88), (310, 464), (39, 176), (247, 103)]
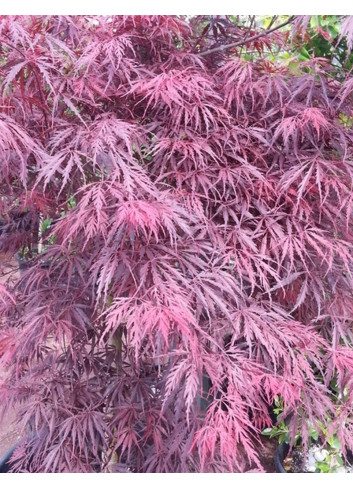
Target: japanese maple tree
[(181, 197)]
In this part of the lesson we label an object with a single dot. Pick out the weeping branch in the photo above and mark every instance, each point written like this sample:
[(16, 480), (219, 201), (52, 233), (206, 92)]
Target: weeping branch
[(249, 39)]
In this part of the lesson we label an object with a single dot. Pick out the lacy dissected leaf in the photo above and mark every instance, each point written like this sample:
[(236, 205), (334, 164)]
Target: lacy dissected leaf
[(178, 194)]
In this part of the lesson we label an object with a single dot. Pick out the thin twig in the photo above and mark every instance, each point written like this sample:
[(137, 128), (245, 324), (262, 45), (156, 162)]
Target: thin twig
[(253, 38), (252, 21), (273, 20)]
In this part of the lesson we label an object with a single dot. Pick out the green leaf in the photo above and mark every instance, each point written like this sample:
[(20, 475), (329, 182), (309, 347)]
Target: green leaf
[(334, 442), (333, 30), (305, 53), (314, 435), (339, 460), (323, 467), (46, 224)]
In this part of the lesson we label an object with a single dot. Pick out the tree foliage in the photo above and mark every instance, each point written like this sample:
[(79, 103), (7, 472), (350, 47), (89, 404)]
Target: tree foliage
[(192, 199)]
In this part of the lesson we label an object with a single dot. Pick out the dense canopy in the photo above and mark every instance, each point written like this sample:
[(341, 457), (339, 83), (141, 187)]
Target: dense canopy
[(179, 191)]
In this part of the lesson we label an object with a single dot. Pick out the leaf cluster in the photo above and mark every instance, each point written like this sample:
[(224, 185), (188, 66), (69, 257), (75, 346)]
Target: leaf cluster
[(185, 215)]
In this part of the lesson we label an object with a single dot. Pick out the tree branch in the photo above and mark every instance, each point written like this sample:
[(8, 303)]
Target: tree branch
[(245, 41)]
